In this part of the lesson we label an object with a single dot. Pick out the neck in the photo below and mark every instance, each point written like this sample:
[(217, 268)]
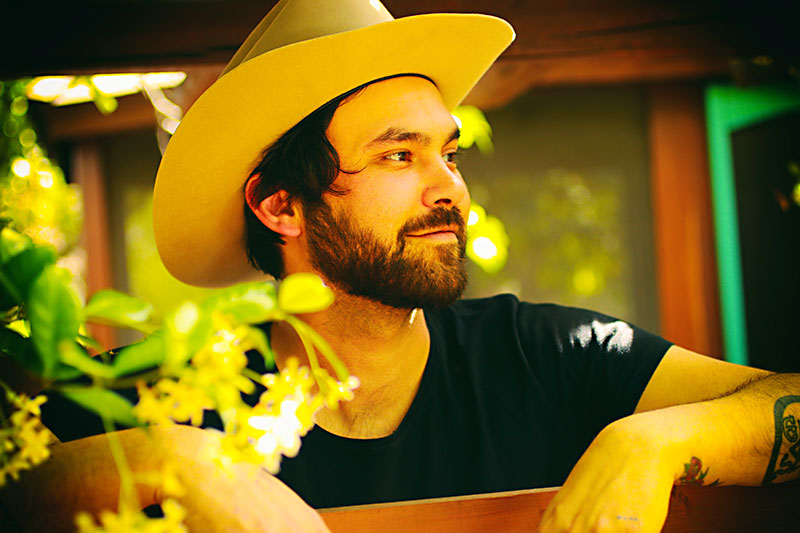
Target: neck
[(386, 348)]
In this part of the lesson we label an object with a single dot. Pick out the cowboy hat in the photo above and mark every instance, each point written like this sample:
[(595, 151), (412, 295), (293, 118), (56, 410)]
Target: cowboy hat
[(303, 54)]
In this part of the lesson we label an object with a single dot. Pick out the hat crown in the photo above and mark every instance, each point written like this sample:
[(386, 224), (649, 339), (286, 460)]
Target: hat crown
[(293, 21)]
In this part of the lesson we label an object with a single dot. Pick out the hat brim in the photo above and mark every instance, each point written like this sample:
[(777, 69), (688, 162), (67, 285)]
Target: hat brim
[(198, 199)]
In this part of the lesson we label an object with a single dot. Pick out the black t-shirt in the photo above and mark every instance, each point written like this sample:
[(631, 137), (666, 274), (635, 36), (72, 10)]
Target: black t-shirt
[(512, 395)]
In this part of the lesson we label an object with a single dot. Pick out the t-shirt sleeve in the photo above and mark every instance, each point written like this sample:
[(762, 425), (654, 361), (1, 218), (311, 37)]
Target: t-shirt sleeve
[(594, 367)]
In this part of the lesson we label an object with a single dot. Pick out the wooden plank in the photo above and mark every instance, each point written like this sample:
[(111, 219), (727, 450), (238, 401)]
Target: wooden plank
[(692, 509), (682, 219), (510, 512)]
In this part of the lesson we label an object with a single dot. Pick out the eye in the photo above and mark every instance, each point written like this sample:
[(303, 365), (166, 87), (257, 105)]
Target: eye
[(399, 156), (452, 157)]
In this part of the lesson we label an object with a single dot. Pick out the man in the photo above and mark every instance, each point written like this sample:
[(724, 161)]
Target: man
[(359, 184), (327, 146)]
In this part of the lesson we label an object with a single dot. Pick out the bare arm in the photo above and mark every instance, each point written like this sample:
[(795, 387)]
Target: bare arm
[(739, 427), (81, 476)]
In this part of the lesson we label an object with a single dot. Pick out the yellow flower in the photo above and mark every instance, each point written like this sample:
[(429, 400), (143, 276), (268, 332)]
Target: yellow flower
[(130, 521), (335, 391), (23, 439), (173, 517), (170, 482), (34, 439), (150, 407), (187, 401), (293, 381)]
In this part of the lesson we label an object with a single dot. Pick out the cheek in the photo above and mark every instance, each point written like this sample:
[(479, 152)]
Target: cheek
[(386, 200), (465, 203)]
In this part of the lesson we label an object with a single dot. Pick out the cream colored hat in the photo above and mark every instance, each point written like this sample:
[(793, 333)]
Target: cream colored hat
[(303, 54)]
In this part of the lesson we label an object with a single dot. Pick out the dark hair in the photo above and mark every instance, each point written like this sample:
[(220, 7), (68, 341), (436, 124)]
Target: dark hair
[(303, 163)]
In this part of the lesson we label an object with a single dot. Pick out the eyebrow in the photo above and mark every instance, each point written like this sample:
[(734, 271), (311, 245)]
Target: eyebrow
[(395, 135)]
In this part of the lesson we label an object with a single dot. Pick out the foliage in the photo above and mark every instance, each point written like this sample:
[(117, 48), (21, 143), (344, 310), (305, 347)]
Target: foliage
[(487, 240), (192, 360), (475, 129), (34, 197)]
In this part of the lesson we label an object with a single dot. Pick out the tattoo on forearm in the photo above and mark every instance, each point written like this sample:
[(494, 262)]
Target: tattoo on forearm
[(693, 473), (785, 457)]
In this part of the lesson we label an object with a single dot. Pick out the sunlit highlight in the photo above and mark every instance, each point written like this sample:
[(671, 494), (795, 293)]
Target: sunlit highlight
[(484, 248), (21, 167), (48, 89), (487, 244), (65, 90), (74, 95), (45, 179)]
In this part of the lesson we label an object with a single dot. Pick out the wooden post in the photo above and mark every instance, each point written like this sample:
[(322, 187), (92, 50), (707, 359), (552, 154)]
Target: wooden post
[(682, 219), (87, 172)]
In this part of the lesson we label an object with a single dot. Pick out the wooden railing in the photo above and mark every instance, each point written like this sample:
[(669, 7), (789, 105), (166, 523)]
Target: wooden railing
[(706, 509)]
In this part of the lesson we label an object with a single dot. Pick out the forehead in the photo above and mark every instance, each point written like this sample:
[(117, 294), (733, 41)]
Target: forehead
[(407, 103)]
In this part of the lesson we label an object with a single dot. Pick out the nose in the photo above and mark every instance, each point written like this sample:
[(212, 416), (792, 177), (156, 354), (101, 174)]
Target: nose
[(444, 186)]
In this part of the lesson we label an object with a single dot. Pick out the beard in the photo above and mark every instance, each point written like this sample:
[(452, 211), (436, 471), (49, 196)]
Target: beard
[(353, 259)]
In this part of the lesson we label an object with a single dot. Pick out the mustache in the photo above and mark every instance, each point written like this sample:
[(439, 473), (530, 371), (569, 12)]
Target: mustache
[(436, 218)]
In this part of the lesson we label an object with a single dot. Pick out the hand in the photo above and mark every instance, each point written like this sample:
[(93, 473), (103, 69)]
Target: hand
[(621, 483), (249, 499)]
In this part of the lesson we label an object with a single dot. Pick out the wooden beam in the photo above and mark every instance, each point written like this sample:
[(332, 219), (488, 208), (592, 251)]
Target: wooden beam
[(82, 121), (682, 219), (123, 36), (580, 41), (512, 77)]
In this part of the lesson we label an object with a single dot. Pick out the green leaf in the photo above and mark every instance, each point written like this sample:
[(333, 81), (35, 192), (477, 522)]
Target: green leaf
[(12, 243), (74, 356), (63, 372), (246, 303), (303, 293), (186, 330), (20, 349), (17, 274), (118, 309), (140, 356), (256, 339), (54, 314), (105, 403), (89, 342)]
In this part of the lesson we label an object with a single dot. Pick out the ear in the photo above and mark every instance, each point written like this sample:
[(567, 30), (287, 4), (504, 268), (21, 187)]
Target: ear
[(275, 211)]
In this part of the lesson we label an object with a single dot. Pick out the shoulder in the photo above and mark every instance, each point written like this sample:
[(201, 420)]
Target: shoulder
[(545, 326), (509, 311), (504, 318)]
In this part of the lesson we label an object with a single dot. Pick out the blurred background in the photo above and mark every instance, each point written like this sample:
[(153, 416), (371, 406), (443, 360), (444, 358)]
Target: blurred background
[(637, 158)]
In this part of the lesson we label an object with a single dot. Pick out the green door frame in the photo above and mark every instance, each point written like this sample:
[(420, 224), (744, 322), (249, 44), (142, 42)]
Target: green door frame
[(729, 109)]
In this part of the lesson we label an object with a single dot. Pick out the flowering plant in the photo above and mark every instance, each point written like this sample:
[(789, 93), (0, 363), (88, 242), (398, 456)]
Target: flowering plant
[(192, 360)]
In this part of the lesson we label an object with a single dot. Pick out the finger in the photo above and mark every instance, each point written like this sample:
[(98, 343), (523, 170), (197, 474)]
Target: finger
[(557, 517)]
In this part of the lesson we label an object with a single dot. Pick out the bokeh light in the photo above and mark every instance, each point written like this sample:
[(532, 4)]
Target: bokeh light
[(34, 196), (21, 167), (484, 248), (487, 240)]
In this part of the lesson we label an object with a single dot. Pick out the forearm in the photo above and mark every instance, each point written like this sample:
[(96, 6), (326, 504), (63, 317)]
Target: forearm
[(749, 437), (81, 475)]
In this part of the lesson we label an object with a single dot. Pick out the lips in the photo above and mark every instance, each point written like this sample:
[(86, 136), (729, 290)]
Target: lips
[(437, 231)]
